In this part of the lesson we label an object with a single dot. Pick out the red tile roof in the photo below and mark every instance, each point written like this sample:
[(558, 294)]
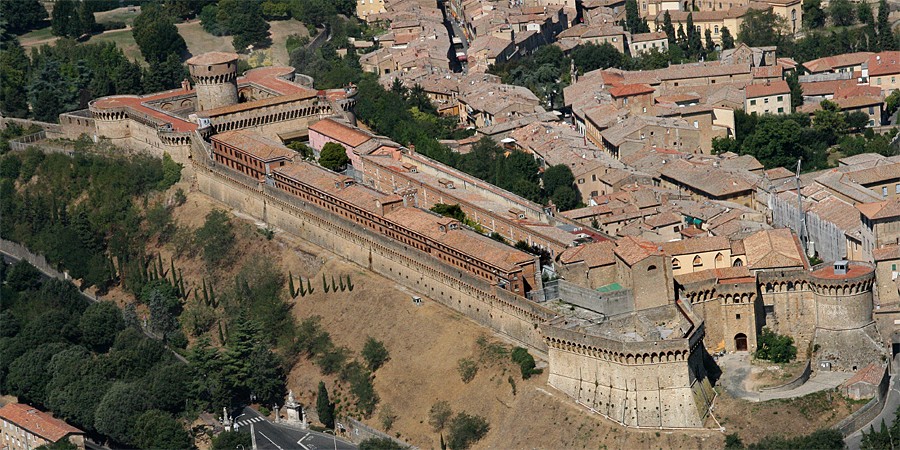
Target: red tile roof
[(626, 90), (340, 132), (886, 253), (884, 63), (830, 63), (768, 89), (37, 422), (880, 210), (212, 58), (255, 145)]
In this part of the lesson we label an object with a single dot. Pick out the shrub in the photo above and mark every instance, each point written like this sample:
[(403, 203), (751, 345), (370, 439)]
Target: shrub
[(466, 430), (467, 369), (333, 360), (379, 444), (264, 411), (388, 417), (375, 353), (525, 361), (775, 347), (215, 237), (439, 415)]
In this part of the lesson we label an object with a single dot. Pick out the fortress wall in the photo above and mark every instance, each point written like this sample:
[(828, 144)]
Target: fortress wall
[(664, 389), (504, 312), (844, 306), (793, 311)]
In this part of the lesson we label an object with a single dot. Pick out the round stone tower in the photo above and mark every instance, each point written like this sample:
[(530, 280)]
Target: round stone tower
[(215, 78), (843, 294)]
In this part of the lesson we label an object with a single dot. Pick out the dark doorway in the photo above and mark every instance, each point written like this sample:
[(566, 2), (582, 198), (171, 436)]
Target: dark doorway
[(740, 342)]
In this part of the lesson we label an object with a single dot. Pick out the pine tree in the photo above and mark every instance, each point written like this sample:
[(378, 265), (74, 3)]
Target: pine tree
[(65, 20), (324, 407), (710, 45)]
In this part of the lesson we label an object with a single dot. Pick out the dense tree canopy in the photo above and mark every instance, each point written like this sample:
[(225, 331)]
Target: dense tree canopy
[(155, 33), (22, 16), (333, 156)]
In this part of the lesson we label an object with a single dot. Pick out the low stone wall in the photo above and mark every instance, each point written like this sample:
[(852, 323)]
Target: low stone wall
[(795, 383), (869, 411), (358, 432)]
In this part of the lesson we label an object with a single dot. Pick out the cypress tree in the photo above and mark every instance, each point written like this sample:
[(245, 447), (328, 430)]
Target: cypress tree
[(669, 28), (291, 285), (324, 407), (886, 38), (727, 39)]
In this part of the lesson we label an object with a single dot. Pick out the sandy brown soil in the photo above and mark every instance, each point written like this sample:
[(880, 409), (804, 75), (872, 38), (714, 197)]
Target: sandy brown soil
[(426, 342), (753, 421)]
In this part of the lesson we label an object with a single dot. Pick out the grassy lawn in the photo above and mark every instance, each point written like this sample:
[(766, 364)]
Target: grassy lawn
[(125, 41), (36, 37), (199, 41), (279, 31), (125, 15)]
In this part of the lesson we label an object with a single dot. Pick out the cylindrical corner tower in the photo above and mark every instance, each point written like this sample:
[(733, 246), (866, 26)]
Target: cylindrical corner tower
[(843, 295), (215, 78)]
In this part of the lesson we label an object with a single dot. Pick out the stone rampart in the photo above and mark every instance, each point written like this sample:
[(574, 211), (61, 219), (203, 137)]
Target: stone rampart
[(658, 384), (507, 313)]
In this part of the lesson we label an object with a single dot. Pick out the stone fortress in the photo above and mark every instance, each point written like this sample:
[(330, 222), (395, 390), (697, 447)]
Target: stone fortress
[(628, 328)]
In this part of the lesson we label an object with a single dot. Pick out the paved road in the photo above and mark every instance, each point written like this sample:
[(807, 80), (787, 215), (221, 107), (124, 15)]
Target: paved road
[(271, 436), (891, 403)]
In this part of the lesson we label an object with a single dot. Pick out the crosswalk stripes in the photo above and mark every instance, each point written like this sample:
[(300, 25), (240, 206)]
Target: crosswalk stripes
[(243, 423)]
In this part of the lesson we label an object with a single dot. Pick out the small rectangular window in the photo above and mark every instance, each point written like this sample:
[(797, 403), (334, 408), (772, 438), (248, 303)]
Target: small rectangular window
[(752, 102), (780, 98), (737, 317)]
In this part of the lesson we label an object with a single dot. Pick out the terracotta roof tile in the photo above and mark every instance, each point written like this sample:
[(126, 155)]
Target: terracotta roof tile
[(769, 249), (886, 253), (830, 63), (633, 250), (37, 422), (255, 144), (696, 245), (768, 89), (884, 63), (594, 254), (626, 90), (340, 132), (880, 210)]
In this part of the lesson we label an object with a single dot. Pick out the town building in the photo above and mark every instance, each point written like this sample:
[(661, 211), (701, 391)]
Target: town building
[(769, 98), (23, 427)]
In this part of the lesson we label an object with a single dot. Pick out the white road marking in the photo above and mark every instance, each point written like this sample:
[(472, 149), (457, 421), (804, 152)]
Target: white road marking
[(273, 442), (301, 441)]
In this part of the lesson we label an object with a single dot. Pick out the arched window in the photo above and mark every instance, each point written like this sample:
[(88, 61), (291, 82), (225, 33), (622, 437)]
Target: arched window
[(698, 261), (738, 262), (719, 259), (676, 264), (716, 29), (651, 267)]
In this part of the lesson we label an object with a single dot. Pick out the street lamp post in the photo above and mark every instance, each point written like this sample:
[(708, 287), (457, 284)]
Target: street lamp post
[(333, 437)]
